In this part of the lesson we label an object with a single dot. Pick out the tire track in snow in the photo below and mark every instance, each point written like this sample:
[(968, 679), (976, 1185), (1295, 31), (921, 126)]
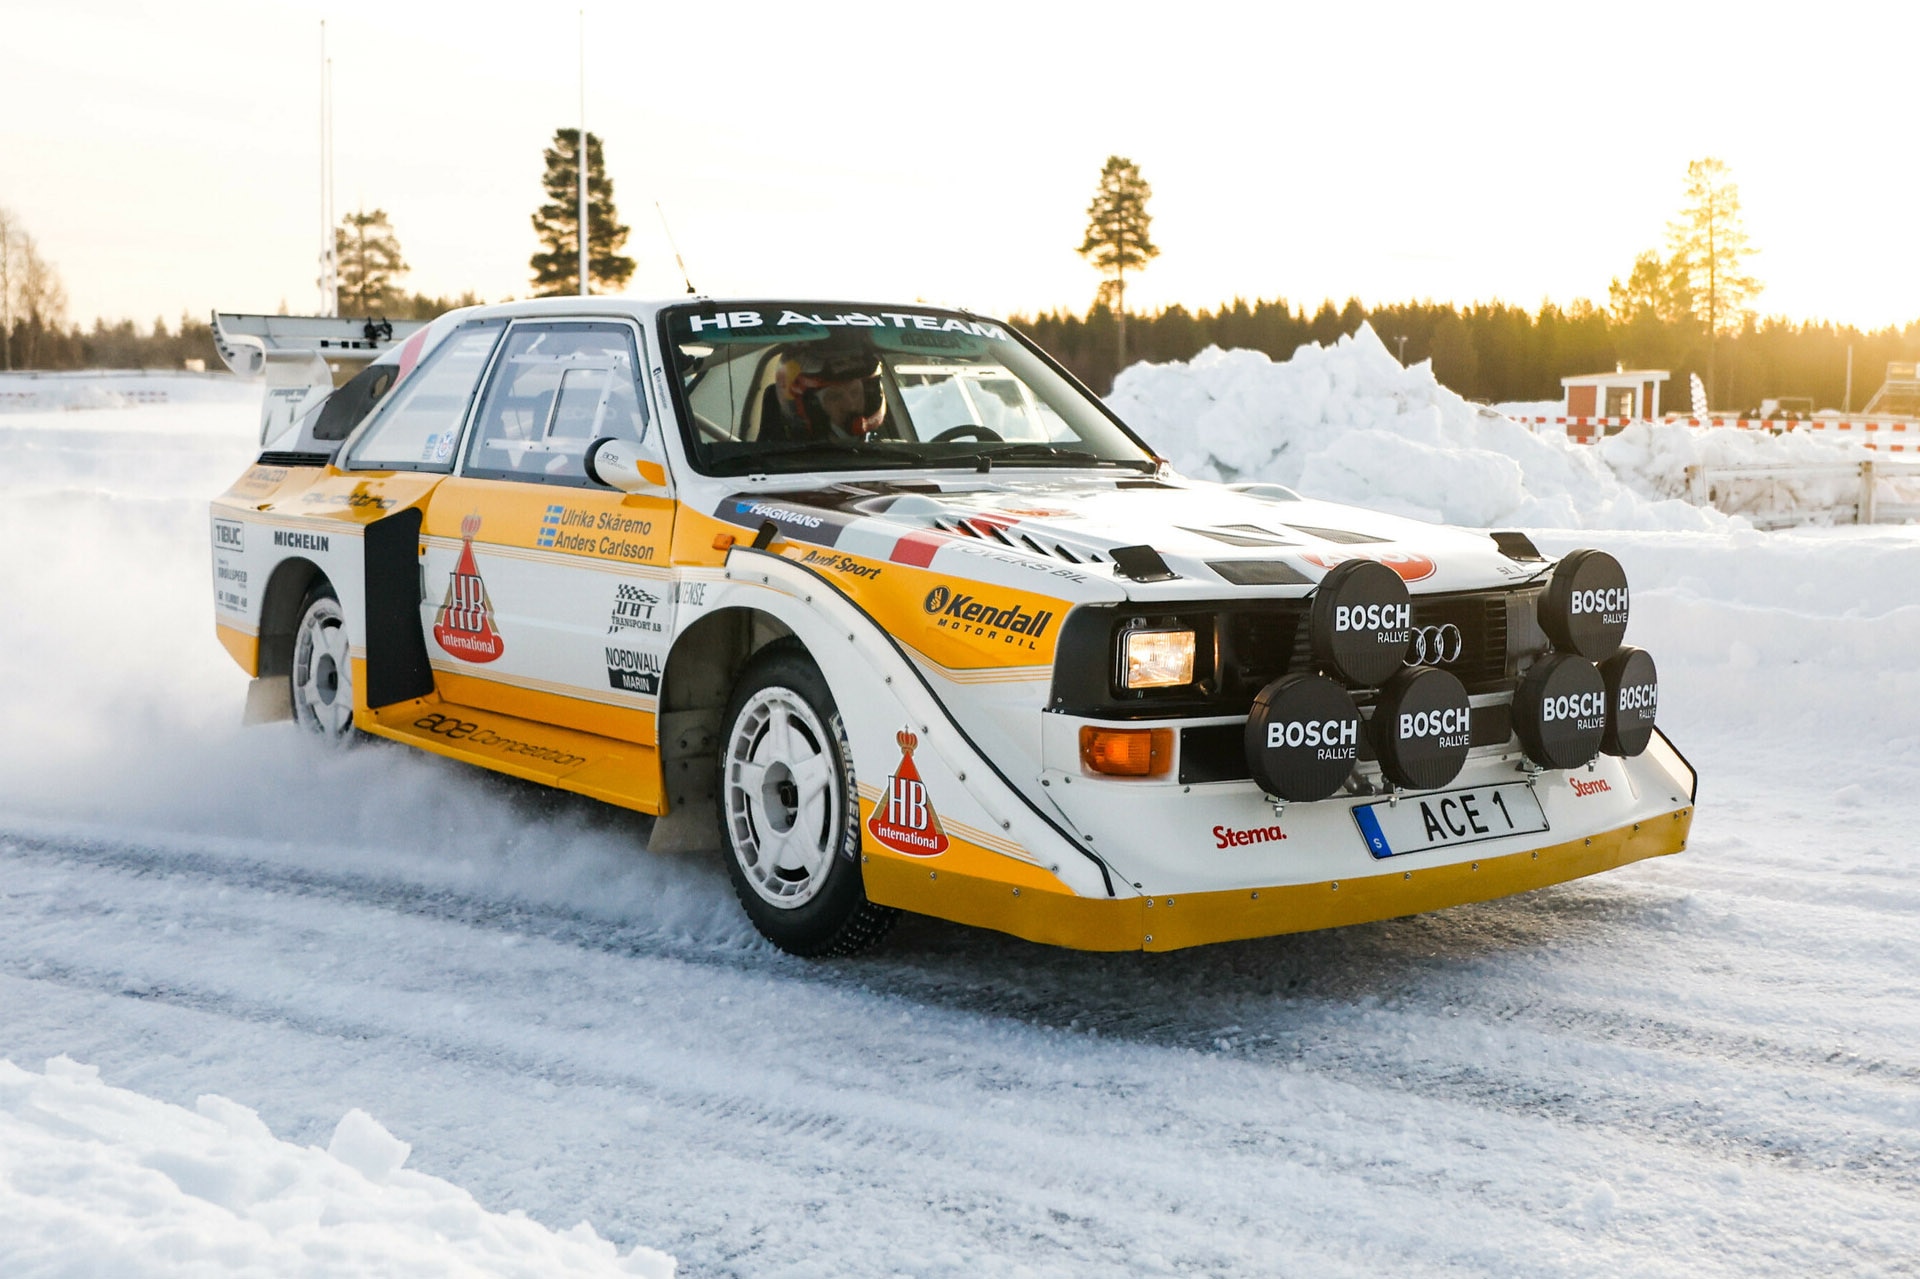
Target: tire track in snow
[(1317, 1030)]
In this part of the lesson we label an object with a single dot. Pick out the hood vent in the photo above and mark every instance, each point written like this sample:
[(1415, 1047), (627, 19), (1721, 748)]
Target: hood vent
[(1241, 535), (1343, 536), (1259, 572), (988, 532)]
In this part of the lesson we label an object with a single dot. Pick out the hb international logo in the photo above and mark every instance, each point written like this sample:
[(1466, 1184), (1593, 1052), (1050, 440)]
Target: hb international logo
[(550, 526)]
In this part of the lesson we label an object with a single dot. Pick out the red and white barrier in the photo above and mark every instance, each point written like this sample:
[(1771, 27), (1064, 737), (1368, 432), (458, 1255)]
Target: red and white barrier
[(1892, 437)]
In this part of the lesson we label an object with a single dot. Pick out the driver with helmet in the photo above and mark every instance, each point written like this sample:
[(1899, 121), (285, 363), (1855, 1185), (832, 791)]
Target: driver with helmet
[(826, 390)]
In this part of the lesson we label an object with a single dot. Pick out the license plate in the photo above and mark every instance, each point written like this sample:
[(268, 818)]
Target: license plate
[(1446, 819)]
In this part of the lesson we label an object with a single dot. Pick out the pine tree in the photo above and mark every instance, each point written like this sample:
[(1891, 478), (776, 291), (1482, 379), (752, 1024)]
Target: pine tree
[(1655, 288), (9, 256), (1117, 240), (1711, 242), (556, 270), (368, 254)]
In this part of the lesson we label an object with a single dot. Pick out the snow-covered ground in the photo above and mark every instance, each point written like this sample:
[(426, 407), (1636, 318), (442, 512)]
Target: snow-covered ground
[(1708, 1064)]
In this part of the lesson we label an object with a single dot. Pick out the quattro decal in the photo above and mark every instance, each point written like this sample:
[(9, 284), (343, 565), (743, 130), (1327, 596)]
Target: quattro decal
[(905, 820), (464, 626)]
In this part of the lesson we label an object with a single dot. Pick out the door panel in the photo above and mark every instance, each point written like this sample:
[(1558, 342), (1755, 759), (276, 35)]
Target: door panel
[(549, 603)]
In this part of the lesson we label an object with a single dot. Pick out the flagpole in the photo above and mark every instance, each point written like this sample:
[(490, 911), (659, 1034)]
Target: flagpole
[(582, 153)]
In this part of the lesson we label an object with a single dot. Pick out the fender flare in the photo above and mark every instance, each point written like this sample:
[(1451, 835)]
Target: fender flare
[(820, 581)]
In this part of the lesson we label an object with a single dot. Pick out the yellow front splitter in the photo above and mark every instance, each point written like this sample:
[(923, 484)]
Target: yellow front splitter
[(1043, 914)]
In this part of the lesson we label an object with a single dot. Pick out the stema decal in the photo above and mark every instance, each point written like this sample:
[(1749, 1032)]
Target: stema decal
[(905, 821), (464, 626)]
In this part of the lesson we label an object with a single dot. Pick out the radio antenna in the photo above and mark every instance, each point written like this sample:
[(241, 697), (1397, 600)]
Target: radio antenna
[(677, 260)]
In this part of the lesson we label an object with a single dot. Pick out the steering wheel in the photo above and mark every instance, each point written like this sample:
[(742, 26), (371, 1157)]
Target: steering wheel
[(966, 429)]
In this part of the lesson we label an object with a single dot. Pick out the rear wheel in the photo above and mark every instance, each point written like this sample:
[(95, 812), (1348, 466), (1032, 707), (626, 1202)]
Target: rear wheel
[(790, 811), (322, 682)]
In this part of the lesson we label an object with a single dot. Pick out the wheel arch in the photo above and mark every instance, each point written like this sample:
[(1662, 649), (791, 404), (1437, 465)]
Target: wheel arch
[(702, 667), (287, 589)]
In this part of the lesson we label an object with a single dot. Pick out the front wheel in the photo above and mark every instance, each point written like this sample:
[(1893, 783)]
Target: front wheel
[(322, 683), (790, 812)]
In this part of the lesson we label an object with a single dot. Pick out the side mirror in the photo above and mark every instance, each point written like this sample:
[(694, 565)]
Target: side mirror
[(619, 465)]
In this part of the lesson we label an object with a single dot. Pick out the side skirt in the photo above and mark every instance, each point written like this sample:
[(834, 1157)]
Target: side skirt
[(616, 772)]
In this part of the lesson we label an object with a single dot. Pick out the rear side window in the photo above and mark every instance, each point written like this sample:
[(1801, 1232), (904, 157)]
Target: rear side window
[(343, 409), (415, 428), (556, 388)]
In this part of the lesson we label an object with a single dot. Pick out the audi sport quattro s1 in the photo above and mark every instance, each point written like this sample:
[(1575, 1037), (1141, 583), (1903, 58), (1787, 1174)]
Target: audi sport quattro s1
[(886, 604)]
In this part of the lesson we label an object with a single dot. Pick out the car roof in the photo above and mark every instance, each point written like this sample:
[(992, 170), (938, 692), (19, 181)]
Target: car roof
[(646, 309)]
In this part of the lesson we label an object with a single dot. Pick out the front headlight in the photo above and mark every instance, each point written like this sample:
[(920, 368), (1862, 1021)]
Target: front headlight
[(1156, 659)]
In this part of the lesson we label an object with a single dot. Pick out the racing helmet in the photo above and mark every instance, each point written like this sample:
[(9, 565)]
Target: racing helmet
[(842, 357)]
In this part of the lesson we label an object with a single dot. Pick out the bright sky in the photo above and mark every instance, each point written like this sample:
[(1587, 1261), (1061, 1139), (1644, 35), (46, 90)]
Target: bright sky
[(166, 157)]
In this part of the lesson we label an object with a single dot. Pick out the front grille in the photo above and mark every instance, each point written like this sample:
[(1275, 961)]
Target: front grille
[(1481, 617), (1247, 644)]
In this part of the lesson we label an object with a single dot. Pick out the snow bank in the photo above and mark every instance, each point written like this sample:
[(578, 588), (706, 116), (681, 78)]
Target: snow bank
[(96, 1180), (1346, 422)]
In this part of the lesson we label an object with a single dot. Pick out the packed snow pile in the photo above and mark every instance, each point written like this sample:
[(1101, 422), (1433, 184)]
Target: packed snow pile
[(1347, 423), (96, 1180)]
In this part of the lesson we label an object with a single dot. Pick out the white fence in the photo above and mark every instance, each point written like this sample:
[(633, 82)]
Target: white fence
[(1878, 490)]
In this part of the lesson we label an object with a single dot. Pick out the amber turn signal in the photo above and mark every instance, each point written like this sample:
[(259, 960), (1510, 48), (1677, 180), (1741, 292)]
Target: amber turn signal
[(1127, 752), (722, 541)]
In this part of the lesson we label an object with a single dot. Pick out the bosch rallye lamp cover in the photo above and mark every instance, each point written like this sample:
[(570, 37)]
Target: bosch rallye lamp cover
[(1560, 711), (1303, 737), (1633, 695), (1585, 608), (1422, 728), (883, 606), (1362, 622)]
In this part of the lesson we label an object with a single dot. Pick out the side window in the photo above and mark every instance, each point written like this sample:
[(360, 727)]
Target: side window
[(415, 427), (557, 388)]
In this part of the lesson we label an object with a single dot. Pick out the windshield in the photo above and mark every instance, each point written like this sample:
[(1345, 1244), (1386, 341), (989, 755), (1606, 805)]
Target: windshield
[(788, 387)]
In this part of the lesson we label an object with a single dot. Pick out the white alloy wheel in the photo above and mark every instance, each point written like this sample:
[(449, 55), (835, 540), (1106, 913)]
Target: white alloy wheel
[(783, 798), (322, 673)]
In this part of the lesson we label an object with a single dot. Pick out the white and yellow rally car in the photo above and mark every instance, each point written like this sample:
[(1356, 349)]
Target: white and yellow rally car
[(889, 605)]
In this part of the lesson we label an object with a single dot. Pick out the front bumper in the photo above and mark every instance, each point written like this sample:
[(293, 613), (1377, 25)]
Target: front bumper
[(1176, 921), (1177, 882)]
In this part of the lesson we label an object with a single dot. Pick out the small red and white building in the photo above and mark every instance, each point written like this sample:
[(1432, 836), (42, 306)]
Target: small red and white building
[(1633, 394)]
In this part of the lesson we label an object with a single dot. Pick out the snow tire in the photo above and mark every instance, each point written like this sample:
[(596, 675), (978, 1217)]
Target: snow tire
[(322, 674), (790, 810)]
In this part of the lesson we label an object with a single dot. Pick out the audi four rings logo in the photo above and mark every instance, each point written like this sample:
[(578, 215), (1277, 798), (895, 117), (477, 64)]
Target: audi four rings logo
[(1436, 645)]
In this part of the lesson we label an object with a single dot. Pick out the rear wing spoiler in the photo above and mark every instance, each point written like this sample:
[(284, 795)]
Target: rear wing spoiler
[(302, 357)]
